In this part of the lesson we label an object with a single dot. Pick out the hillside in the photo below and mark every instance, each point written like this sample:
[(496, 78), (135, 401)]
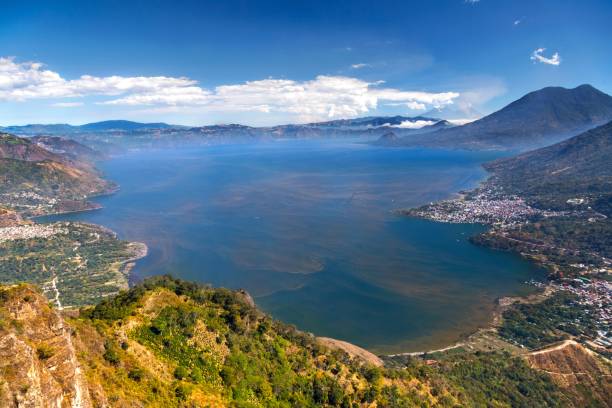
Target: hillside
[(169, 343), (68, 148), (13, 147), (74, 264), (578, 370), (539, 118), (35, 181), (579, 167), (46, 187), (574, 177)]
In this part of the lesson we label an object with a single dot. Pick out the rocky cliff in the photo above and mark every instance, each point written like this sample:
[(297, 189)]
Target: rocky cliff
[(38, 363)]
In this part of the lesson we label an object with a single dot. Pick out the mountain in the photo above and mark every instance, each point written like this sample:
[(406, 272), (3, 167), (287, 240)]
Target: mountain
[(35, 181), (105, 126), (371, 121), (36, 129), (388, 137), (171, 343), (54, 180), (539, 118), (124, 125), (106, 135), (67, 147), (13, 147), (573, 178), (455, 111), (580, 167)]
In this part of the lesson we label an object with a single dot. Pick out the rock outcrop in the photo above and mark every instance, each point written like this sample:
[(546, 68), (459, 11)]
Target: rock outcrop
[(38, 364)]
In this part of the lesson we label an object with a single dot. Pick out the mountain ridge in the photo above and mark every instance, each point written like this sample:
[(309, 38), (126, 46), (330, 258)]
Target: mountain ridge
[(579, 167)]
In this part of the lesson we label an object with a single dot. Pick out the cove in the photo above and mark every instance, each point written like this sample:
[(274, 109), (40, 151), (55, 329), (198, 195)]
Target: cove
[(308, 228)]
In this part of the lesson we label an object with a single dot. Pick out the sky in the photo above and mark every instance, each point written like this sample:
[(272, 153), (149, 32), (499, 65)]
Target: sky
[(273, 62)]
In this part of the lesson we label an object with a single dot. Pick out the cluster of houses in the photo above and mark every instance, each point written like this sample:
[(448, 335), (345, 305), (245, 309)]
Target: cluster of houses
[(479, 209), (29, 231)]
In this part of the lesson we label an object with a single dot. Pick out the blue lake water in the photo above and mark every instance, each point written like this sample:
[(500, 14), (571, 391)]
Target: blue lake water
[(308, 229)]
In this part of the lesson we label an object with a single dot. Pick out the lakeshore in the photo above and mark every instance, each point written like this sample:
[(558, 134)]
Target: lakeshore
[(309, 230), (505, 214)]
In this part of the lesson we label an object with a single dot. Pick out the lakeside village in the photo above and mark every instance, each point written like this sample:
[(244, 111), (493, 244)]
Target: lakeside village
[(593, 294), (28, 202), (488, 205), (30, 231)]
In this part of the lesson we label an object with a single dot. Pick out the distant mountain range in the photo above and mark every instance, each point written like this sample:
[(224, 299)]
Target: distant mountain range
[(105, 126), (537, 119)]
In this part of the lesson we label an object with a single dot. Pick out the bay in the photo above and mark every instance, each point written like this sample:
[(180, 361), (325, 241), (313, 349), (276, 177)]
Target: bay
[(309, 229)]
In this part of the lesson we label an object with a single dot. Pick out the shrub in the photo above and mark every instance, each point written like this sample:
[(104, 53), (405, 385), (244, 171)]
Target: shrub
[(136, 374), (111, 353), (44, 352), (181, 372)]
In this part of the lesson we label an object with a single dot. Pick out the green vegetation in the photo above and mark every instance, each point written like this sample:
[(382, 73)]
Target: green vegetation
[(173, 343), (560, 243), (9, 139), (87, 260), (554, 319), (44, 351), (579, 167), (574, 176), (500, 379)]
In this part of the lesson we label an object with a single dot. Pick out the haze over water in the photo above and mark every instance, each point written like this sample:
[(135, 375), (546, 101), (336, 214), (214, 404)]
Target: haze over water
[(308, 229)]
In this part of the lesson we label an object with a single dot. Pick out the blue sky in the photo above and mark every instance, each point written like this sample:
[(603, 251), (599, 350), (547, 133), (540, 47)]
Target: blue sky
[(268, 62)]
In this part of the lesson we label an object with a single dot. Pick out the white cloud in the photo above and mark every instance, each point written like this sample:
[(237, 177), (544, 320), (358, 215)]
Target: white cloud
[(67, 104), (28, 80), (517, 22), (417, 124), (460, 122), (359, 66), (319, 98), (416, 105), (537, 56)]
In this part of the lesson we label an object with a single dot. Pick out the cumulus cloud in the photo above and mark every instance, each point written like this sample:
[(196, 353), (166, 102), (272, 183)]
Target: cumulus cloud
[(319, 98), (28, 80), (537, 56)]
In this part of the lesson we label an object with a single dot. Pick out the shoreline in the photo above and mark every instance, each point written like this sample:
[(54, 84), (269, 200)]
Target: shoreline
[(469, 339), (140, 249), (501, 303)]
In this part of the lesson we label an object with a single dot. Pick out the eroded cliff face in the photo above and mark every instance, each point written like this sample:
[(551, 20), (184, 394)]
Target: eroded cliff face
[(38, 364)]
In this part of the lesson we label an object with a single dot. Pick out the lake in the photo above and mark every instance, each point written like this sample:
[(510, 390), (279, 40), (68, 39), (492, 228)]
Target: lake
[(308, 229)]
